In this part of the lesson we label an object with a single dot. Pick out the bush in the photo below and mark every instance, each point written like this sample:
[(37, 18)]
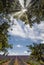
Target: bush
[(41, 62), (33, 62), (3, 61)]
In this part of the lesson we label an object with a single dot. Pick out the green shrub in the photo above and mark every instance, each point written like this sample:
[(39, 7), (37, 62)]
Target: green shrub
[(33, 62), (41, 62), (3, 61)]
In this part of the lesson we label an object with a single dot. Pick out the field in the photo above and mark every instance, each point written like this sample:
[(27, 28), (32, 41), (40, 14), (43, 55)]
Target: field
[(13, 60)]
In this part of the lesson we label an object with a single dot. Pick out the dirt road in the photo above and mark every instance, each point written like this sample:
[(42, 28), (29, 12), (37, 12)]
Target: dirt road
[(16, 61)]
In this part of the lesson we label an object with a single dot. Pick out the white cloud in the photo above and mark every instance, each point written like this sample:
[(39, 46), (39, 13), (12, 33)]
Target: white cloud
[(12, 52), (42, 42), (17, 29), (35, 33), (19, 46), (25, 52)]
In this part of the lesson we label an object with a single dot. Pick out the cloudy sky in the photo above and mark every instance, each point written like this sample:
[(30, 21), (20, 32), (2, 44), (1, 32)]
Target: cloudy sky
[(22, 35)]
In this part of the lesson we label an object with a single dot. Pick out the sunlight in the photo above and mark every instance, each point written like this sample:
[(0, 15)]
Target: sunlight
[(27, 2), (24, 4), (20, 13), (21, 3)]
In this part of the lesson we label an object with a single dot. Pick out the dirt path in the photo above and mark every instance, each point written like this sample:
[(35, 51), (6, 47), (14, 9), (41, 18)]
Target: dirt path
[(16, 61), (20, 61)]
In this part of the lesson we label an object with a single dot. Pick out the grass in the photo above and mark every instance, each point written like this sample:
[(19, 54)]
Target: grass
[(3, 61)]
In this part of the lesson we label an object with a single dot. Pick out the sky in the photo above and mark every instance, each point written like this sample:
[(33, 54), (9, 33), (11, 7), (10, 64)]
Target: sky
[(22, 35)]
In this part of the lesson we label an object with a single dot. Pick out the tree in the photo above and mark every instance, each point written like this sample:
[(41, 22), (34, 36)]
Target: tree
[(37, 50), (5, 6), (4, 36), (33, 13)]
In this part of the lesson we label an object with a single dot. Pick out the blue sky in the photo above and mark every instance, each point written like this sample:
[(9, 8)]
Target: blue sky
[(22, 35)]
